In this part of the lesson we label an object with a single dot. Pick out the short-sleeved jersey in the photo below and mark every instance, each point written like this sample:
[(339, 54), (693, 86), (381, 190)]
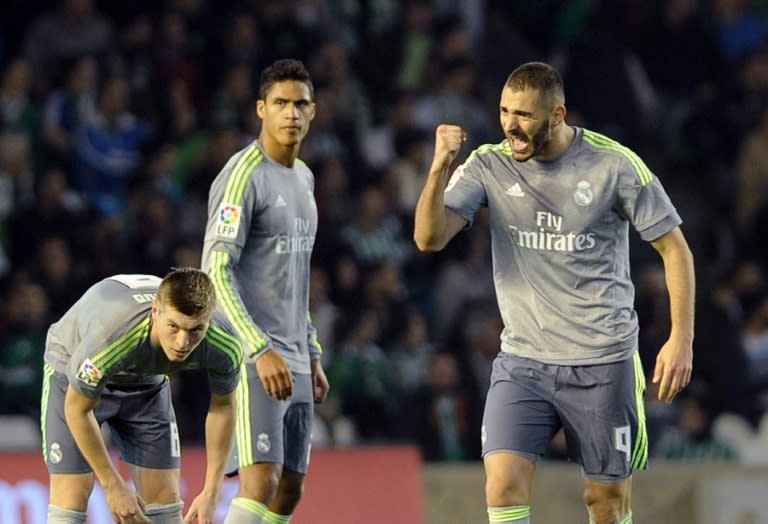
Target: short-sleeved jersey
[(560, 244), (262, 222), (105, 338)]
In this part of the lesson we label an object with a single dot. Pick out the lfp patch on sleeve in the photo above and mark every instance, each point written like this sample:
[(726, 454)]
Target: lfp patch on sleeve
[(228, 220), (88, 373)]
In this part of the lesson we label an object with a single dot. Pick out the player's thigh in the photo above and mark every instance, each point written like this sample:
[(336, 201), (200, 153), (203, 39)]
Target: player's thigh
[(145, 428), (604, 418), (156, 486), (259, 427), (519, 415), (265, 425), (60, 451), (298, 427)]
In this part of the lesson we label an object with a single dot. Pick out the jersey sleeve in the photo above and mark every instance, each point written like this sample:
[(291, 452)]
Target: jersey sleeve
[(232, 202), (644, 202), (224, 367), (465, 193), (98, 356)]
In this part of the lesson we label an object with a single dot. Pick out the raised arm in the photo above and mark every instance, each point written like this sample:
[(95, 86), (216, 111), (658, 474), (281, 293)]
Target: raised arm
[(219, 435), (123, 502), (435, 224), (674, 362)]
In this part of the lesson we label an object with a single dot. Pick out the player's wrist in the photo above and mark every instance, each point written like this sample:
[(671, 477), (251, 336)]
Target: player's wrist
[(253, 355)]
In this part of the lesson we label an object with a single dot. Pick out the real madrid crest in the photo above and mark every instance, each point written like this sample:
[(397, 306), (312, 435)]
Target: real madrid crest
[(583, 195), (262, 443), (55, 455)]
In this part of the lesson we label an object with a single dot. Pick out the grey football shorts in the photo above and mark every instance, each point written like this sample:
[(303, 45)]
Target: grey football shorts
[(269, 430), (599, 407), (141, 419)]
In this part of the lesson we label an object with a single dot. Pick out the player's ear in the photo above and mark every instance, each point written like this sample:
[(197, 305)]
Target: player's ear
[(312, 108), (558, 115), (260, 108), (155, 308)]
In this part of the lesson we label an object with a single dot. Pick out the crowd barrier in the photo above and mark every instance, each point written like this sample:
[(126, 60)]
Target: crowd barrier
[(664, 494), (379, 485), (376, 485)]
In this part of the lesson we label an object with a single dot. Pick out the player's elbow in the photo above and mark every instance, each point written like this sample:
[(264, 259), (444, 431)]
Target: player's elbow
[(428, 243)]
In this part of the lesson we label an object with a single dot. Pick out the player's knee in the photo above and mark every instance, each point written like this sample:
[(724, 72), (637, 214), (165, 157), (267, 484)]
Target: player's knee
[(605, 503), (165, 495), (505, 491), (291, 490), (260, 483)]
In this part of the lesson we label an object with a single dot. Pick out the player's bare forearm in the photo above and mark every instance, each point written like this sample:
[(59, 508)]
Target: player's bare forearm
[(78, 410), (122, 501), (434, 226), (680, 278), (674, 363), (430, 222), (219, 436)]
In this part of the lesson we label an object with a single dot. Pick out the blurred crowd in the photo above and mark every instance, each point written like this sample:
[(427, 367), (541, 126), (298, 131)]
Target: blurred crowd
[(116, 115)]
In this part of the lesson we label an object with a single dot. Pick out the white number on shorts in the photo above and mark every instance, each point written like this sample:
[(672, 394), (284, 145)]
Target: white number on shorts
[(175, 446), (623, 439)]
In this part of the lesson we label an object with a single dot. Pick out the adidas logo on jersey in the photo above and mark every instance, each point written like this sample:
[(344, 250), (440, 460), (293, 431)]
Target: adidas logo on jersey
[(515, 191), (280, 201)]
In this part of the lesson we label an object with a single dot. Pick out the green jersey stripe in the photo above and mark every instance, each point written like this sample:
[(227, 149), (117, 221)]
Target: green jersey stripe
[(47, 378), (640, 451), (504, 515), (603, 142), (253, 506), (235, 174), (245, 175), (228, 302), (225, 342), (502, 147), (241, 172), (243, 424), (641, 169), (119, 352), (109, 356), (238, 316)]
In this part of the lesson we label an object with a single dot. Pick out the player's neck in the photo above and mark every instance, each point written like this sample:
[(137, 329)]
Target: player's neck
[(280, 153), (562, 138)]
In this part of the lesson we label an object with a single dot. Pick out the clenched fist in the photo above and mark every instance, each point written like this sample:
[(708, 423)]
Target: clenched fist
[(448, 140)]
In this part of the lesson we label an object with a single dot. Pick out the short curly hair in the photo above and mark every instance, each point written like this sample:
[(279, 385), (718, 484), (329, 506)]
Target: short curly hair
[(285, 69)]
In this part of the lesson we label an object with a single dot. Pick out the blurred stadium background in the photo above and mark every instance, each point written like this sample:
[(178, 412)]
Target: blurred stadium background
[(116, 115)]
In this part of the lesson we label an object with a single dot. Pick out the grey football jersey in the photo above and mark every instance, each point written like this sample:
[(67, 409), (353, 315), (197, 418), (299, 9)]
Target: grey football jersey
[(104, 337), (262, 221), (560, 244)]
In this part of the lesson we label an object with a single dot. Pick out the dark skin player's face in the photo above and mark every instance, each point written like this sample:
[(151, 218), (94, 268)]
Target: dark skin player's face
[(286, 114)]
